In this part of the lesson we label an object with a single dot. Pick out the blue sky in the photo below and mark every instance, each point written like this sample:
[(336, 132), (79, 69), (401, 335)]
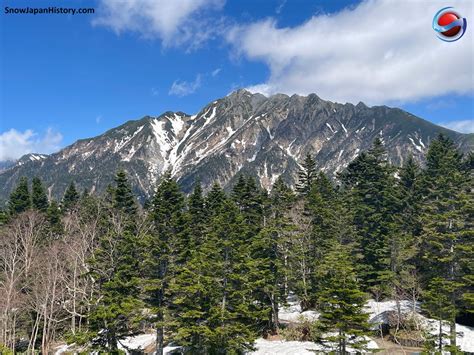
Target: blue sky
[(67, 77)]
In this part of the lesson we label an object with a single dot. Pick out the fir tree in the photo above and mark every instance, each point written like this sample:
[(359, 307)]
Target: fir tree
[(215, 199), (20, 199), (249, 199), (116, 268), (39, 200), (341, 304), (123, 196), (164, 251), (437, 301), (233, 312), (270, 252), (306, 175), (375, 204), (447, 237), (71, 197), (196, 216), (54, 218)]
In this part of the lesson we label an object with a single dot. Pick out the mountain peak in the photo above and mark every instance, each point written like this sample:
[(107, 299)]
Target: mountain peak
[(244, 132)]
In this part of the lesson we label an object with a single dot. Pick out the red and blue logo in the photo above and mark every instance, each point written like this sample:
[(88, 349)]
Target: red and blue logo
[(449, 25)]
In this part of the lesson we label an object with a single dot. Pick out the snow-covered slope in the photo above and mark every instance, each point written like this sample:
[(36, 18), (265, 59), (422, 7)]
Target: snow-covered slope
[(262, 136), (378, 313)]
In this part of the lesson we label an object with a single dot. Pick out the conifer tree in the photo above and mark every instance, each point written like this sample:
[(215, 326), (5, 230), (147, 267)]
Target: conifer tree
[(39, 200), (447, 236), (123, 195), (306, 175), (437, 301), (233, 312), (71, 197), (343, 321), (116, 268), (196, 217), (54, 218), (375, 203), (215, 199), (164, 251), (20, 199), (270, 252)]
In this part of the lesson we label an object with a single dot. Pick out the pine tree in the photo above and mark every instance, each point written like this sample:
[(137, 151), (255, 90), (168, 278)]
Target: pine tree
[(20, 199), (375, 203), (196, 217), (447, 236), (343, 321), (270, 253), (437, 301), (70, 198), (39, 200), (54, 218), (193, 284), (215, 199), (233, 312), (410, 189), (306, 175), (116, 268), (164, 251), (249, 199), (123, 195)]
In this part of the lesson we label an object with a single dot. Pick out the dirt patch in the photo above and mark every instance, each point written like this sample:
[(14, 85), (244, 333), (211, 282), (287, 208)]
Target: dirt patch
[(388, 347)]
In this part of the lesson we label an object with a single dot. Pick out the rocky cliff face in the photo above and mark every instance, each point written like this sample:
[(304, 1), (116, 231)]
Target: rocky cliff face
[(241, 133)]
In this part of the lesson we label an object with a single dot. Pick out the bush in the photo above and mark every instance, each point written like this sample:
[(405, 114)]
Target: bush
[(303, 330), (79, 338)]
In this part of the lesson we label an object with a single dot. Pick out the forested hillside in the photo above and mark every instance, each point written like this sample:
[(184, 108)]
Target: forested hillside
[(210, 272)]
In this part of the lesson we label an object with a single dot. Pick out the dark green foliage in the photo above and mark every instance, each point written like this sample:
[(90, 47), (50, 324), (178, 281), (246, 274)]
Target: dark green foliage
[(341, 303), (211, 272), (269, 250), (54, 218), (439, 305), (374, 202), (166, 250), (306, 175), (123, 196), (20, 199), (115, 266), (71, 197), (447, 235), (39, 200)]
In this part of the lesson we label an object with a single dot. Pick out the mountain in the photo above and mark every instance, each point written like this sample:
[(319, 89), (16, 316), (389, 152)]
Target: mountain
[(5, 164), (241, 133)]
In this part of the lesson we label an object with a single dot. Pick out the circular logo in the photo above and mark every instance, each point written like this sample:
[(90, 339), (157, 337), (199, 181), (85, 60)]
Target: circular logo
[(449, 25)]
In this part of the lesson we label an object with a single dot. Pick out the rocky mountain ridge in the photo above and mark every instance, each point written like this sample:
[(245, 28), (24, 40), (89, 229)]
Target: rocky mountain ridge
[(241, 133)]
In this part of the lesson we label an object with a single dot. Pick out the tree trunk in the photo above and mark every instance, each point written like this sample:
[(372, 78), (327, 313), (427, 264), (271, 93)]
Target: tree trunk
[(343, 345), (452, 336), (440, 336), (159, 336)]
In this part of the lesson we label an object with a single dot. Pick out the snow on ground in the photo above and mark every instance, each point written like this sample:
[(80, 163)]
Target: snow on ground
[(378, 312), (267, 347), (292, 312), (281, 347), (138, 342), (62, 349)]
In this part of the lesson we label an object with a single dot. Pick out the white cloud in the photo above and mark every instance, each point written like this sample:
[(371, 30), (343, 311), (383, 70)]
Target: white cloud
[(463, 126), (382, 51), (184, 88), (98, 119), (216, 72), (175, 22), (14, 144)]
